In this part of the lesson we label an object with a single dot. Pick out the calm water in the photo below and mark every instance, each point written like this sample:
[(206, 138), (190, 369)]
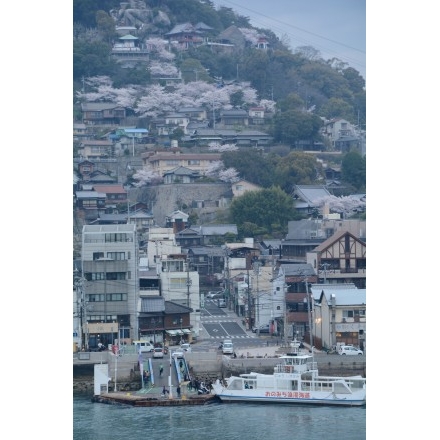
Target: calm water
[(232, 421)]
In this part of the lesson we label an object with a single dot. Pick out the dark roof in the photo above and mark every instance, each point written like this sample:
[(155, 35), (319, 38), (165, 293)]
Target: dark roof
[(182, 171), (172, 307), (153, 304), (213, 251)]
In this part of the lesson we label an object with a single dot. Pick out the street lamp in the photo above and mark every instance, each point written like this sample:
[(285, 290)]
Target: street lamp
[(181, 332)]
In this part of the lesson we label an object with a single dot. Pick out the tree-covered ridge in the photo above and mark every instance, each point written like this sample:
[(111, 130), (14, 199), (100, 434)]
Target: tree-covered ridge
[(329, 87)]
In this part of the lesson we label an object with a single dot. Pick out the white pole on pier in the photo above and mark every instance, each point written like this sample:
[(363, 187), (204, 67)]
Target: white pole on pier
[(169, 380)]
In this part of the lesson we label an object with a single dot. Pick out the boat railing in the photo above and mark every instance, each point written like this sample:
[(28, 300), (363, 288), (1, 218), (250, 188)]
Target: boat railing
[(312, 365)]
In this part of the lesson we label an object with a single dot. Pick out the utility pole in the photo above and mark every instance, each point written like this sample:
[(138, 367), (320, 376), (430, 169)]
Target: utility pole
[(325, 265), (188, 282), (81, 304), (256, 265), (249, 301), (309, 312)]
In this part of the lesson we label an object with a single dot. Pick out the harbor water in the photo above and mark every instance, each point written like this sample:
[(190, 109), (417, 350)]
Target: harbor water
[(218, 421)]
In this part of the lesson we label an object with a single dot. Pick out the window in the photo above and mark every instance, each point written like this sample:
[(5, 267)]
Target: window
[(173, 163), (96, 276), (116, 297), (347, 243), (347, 313), (115, 237), (116, 276), (193, 162), (95, 297), (329, 263), (177, 283), (116, 255), (98, 255), (361, 263)]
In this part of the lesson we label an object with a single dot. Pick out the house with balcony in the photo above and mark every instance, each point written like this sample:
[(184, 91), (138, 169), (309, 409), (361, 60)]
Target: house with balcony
[(342, 135), (189, 237), (207, 261), (256, 115), (164, 161), (95, 149), (339, 315), (305, 235), (342, 258), (115, 194), (233, 117), (102, 113)]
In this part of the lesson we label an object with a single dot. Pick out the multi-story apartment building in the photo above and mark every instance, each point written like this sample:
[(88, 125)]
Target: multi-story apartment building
[(110, 282)]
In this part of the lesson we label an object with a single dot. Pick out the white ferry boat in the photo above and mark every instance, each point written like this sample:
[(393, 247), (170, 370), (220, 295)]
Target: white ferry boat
[(295, 380)]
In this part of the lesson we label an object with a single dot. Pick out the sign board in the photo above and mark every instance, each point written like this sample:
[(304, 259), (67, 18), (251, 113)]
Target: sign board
[(101, 327)]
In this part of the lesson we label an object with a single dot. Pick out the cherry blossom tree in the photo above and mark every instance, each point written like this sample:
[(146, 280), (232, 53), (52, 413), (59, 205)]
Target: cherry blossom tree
[(230, 175), (158, 68), (214, 168), (153, 100), (158, 47), (215, 146), (250, 35), (268, 105), (343, 205), (146, 176)]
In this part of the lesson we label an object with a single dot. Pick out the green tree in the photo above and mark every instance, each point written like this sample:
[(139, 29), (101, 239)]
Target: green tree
[(292, 126), (251, 165), (267, 211), (353, 170), (106, 26), (236, 98), (297, 168), (338, 108)]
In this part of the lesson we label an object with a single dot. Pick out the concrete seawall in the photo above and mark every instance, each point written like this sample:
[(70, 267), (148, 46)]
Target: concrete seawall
[(211, 364)]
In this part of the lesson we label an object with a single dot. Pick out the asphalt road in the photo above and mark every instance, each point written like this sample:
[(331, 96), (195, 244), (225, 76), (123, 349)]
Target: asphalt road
[(219, 323)]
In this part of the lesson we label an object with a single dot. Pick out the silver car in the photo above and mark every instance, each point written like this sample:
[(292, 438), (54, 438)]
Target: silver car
[(349, 350)]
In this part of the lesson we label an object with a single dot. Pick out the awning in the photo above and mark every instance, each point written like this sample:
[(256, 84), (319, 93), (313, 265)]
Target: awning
[(179, 332), (187, 331), (171, 332)]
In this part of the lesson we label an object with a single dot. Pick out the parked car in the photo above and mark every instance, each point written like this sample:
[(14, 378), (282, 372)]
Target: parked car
[(186, 347), (263, 328), (349, 350), (215, 295), (158, 352), (159, 344), (221, 303)]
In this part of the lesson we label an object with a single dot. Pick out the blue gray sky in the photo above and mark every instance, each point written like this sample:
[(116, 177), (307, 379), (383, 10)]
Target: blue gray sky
[(337, 28)]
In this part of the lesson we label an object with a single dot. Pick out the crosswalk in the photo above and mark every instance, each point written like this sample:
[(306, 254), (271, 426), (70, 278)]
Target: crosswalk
[(231, 337)]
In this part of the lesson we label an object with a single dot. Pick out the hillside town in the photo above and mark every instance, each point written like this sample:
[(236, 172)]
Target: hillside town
[(151, 232)]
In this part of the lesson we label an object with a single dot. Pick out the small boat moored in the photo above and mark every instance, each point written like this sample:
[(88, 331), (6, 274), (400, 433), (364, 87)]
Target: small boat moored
[(295, 380)]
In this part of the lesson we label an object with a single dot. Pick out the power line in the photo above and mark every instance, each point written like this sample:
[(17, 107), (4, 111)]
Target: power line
[(303, 40)]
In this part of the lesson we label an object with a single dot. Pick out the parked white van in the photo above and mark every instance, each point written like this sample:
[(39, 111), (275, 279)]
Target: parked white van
[(143, 346), (228, 347)]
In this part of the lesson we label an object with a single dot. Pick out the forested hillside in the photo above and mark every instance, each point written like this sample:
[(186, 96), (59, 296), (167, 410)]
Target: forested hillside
[(295, 78)]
